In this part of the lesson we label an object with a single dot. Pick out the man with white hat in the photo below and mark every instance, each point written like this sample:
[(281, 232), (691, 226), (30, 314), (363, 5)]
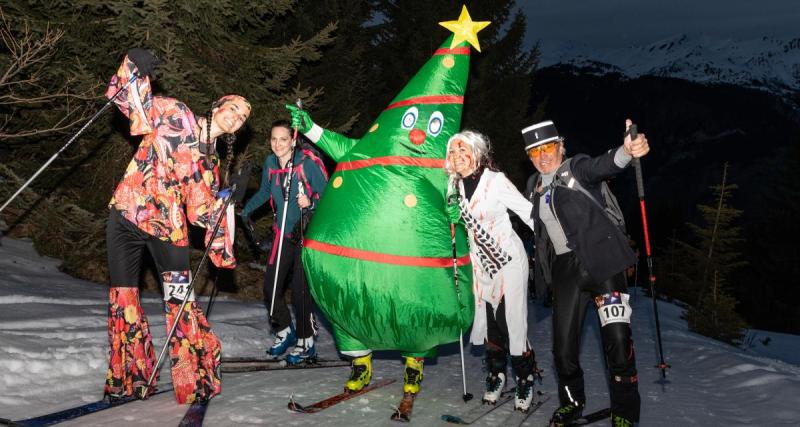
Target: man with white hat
[(583, 255)]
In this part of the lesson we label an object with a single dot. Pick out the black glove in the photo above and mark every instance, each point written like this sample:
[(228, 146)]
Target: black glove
[(239, 180), (259, 244), (145, 61)]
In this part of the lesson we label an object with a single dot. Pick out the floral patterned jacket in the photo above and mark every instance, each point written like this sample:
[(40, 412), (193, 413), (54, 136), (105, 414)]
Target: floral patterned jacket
[(168, 181)]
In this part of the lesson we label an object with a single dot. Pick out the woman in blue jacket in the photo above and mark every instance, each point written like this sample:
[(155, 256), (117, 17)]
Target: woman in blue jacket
[(308, 180)]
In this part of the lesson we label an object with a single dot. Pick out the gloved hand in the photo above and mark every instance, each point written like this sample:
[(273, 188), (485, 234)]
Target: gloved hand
[(224, 193), (453, 199), (300, 119), (239, 180), (453, 212), (145, 61)]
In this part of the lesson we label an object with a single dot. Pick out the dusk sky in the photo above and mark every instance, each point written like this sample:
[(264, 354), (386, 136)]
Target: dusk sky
[(622, 23)]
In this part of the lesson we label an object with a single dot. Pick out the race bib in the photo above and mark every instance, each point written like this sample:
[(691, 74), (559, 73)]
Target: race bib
[(613, 308), (176, 285)]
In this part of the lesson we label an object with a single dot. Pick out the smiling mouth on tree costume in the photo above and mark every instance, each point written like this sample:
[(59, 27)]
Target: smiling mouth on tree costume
[(417, 137)]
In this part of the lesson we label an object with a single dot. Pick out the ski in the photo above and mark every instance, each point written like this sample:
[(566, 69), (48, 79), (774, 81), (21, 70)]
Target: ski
[(517, 418), (76, 412), (592, 417), (589, 418), (248, 364), (337, 398), (479, 412), (195, 414), (403, 412)]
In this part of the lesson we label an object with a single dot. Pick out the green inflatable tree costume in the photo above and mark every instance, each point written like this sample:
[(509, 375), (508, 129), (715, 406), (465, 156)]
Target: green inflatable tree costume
[(378, 253)]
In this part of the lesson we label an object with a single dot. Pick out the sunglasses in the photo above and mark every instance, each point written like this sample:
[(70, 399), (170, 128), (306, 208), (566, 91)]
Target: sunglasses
[(536, 152)]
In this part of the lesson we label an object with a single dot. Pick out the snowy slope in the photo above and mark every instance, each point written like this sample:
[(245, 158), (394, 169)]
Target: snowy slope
[(52, 356), (765, 63)]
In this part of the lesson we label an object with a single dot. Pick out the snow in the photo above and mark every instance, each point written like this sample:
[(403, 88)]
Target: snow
[(53, 356)]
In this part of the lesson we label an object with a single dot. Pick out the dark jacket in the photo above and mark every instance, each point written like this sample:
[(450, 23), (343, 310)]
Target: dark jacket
[(600, 246), (310, 172)]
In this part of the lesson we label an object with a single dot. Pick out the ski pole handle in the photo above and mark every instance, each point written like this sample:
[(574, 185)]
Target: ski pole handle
[(633, 131), (299, 103)]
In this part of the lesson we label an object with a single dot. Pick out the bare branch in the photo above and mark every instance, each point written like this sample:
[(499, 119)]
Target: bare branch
[(13, 99), (40, 132), (27, 83)]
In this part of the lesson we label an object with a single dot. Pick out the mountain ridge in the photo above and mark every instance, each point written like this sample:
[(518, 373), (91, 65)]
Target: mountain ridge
[(766, 63)]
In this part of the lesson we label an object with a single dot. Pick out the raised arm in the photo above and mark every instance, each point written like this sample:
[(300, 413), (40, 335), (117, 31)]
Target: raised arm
[(602, 167), (135, 101), (334, 144)]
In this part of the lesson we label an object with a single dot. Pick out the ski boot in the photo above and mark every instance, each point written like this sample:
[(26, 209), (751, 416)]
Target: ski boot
[(283, 340), (496, 360), (360, 373), (304, 352), (413, 375), (619, 421), (566, 414), (494, 387), (524, 394)]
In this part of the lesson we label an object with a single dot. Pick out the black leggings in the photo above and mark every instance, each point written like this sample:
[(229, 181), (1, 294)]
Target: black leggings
[(290, 264), (573, 289), (125, 244), (497, 345)]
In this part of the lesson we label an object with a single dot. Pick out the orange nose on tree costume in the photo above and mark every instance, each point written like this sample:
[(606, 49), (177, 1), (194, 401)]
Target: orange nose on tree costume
[(378, 254), (172, 180)]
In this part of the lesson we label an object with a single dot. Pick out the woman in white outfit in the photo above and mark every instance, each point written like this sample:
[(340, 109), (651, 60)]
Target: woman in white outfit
[(499, 262)]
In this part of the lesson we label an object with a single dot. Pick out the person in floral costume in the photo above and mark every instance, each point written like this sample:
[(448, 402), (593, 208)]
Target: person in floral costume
[(172, 180)]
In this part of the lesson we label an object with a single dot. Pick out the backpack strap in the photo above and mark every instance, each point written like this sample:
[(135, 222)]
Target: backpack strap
[(611, 208), (568, 180)]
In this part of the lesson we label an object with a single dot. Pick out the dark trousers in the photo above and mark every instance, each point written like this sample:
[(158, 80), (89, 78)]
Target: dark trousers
[(125, 244), (290, 267), (573, 289), (497, 345)]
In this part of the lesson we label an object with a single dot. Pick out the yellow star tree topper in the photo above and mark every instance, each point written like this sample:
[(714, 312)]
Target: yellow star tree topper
[(465, 29)]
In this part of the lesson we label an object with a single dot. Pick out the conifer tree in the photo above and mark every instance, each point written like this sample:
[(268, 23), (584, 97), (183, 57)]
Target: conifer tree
[(716, 254), (341, 76), (674, 269), (716, 315)]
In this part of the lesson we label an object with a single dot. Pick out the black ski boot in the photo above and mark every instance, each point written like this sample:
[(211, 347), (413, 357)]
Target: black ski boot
[(525, 372), (566, 414)]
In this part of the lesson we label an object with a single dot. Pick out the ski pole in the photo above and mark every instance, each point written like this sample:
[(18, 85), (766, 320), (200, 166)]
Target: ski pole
[(214, 292), (637, 164), (287, 187), (240, 182), (189, 290), (466, 396), (71, 140), (301, 192)]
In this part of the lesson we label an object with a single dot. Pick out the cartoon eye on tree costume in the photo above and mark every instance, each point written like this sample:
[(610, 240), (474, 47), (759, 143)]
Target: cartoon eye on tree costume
[(378, 253)]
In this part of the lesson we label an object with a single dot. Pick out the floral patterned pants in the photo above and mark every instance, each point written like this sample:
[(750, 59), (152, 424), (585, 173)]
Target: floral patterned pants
[(194, 349)]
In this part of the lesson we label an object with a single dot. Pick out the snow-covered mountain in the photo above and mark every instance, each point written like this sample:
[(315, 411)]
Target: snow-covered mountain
[(765, 63)]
